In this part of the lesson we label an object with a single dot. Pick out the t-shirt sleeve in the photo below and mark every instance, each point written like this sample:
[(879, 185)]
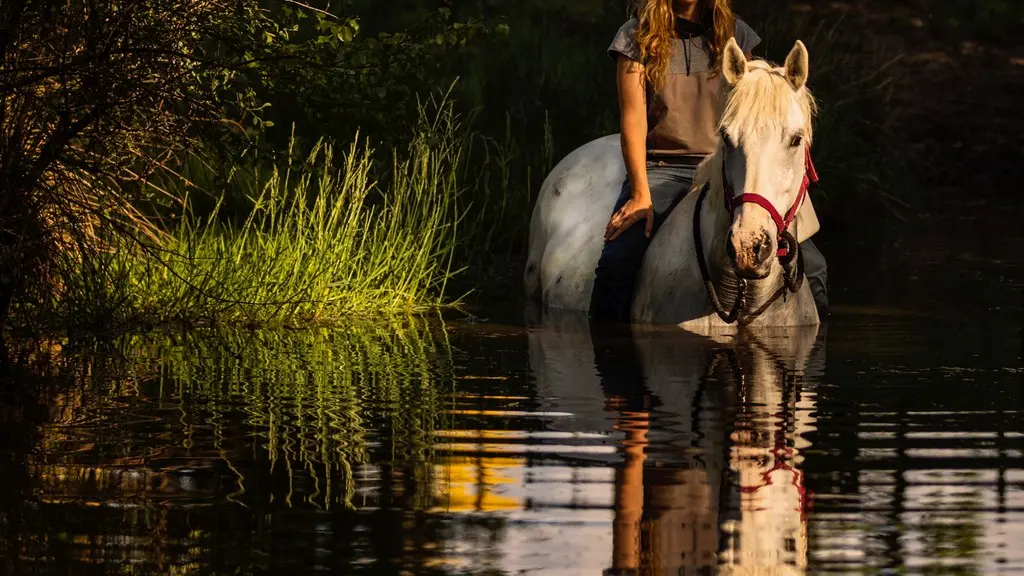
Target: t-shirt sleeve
[(625, 42), (746, 37)]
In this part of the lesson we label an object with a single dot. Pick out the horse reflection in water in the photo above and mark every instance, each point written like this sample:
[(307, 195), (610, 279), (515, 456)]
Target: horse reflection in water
[(710, 439)]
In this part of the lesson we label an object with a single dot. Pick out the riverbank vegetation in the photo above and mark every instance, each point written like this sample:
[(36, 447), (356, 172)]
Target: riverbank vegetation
[(268, 161), (320, 240)]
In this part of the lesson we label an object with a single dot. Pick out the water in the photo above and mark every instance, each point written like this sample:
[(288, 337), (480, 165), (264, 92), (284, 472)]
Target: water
[(887, 442)]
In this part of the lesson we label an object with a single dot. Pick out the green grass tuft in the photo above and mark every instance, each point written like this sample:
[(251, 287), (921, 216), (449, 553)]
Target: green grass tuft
[(322, 242)]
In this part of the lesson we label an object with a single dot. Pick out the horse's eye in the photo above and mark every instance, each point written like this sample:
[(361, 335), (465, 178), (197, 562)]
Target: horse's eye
[(797, 140)]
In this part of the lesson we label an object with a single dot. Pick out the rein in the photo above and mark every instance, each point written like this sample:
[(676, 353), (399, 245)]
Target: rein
[(788, 251)]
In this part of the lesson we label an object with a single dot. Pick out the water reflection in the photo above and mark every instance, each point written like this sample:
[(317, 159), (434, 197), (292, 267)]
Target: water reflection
[(173, 453), (709, 436), (432, 449)]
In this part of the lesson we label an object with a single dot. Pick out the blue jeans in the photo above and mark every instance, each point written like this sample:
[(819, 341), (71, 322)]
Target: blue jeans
[(617, 269)]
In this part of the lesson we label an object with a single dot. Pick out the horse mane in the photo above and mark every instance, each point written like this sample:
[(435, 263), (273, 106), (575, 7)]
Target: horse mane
[(758, 100)]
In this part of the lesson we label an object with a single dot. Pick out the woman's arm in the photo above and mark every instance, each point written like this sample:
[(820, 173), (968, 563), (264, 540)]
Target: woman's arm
[(633, 120)]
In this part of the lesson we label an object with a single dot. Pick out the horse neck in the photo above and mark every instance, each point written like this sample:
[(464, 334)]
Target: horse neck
[(715, 224)]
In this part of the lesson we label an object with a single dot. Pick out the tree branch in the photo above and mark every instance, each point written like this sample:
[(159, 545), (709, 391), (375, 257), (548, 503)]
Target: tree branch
[(55, 146), (11, 26)]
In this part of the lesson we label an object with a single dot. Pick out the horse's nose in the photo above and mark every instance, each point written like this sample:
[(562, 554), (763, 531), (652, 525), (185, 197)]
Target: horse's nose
[(763, 247), (750, 256)]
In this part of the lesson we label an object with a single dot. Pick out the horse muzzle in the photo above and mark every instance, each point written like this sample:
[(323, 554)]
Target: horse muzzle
[(751, 254)]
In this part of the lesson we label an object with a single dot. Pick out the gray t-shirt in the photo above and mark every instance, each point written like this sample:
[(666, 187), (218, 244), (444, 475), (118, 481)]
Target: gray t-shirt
[(682, 116)]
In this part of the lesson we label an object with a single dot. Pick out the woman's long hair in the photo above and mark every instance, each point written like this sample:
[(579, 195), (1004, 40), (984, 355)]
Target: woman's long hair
[(657, 30)]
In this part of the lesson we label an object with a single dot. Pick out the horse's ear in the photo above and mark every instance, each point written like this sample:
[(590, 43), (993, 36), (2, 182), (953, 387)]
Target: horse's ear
[(806, 223), (797, 66), (734, 63)]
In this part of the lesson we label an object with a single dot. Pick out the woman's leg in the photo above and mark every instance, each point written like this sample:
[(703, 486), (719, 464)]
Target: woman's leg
[(616, 270), (621, 258), (816, 271)]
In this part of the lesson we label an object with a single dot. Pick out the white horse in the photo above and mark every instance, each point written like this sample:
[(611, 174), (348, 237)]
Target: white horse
[(763, 153)]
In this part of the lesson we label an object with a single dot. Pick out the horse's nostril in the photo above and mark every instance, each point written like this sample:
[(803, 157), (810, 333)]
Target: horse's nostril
[(763, 249)]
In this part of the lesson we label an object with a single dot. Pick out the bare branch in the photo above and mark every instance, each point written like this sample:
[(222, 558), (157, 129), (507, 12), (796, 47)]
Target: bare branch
[(308, 7)]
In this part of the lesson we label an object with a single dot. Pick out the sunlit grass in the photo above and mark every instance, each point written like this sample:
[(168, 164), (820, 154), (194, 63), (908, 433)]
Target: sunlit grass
[(321, 243)]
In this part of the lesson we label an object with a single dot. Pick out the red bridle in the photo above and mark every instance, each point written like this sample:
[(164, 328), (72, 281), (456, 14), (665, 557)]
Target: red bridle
[(732, 202)]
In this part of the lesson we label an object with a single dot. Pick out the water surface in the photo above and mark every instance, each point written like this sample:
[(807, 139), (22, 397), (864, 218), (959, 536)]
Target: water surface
[(888, 441)]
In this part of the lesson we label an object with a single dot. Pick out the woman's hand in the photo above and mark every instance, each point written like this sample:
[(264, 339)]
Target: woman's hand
[(635, 209)]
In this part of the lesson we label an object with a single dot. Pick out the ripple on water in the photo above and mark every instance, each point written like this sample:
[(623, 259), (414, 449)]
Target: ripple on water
[(881, 445)]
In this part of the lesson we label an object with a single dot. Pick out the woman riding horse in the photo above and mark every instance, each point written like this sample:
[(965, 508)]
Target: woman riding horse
[(669, 83)]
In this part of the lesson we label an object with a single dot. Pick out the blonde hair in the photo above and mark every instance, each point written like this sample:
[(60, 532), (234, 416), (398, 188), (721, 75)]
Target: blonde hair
[(657, 30)]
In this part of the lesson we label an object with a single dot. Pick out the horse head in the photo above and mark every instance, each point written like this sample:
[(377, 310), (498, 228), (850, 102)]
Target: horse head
[(763, 157)]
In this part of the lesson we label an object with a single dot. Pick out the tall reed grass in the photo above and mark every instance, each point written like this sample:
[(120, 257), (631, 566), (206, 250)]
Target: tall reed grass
[(322, 241), (503, 176)]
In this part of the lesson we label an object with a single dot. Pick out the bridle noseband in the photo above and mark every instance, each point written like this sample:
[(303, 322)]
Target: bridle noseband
[(788, 248), (733, 202)]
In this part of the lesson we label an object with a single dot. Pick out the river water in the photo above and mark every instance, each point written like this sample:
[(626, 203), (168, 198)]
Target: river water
[(888, 441)]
